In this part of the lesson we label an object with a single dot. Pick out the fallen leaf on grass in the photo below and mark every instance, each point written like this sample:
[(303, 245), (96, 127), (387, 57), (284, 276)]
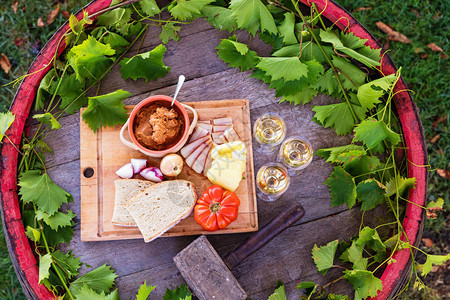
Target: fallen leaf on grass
[(5, 64), (40, 23), (415, 12), (363, 8), (392, 34), (423, 55), (427, 242), (14, 6), (66, 14), (435, 138), (443, 173), (439, 120), (435, 47), (19, 42), (52, 15)]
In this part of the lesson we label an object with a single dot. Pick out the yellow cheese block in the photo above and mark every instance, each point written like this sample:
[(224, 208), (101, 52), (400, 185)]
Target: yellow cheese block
[(228, 165)]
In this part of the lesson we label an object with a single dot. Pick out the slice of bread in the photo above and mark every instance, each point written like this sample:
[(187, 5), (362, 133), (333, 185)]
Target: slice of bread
[(125, 190), (162, 206)]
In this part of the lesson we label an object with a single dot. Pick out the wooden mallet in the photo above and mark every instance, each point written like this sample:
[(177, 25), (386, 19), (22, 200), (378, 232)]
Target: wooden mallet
[(209, 276)]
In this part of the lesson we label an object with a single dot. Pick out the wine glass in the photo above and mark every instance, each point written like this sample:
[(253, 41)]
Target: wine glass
[(272, 181), (296, 154), (269, 131)]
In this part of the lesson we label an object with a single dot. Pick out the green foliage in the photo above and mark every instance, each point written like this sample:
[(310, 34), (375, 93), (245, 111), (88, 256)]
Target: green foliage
[(90, 59), (45, 262), (342, 188), (398, 185), (324, 256), (6, 119), (286, 68), (106, 110), (287, 29), (221, 18), (236, 54), (369, 96), (99, 280), (370, 192), (144, 291), (433, 260), (48, 118), (188, 9), (278, 294), (253, 15), (149, 7), (338, 116), (169, 32), (372, 132), (87, 293), (364, 283), (37, 187), (148, 65), (179, 293), (58, 219), (309, 287)]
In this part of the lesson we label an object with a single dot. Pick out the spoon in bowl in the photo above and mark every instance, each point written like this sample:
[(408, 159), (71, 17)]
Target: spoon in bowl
[(179, 85)]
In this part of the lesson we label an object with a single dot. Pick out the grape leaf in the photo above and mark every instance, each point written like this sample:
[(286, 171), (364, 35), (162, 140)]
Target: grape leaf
[(220, 17), (181, 292), (99, 280), (364, 283), (252, 15), (433, 260), (149, 7), (351, 76), (148, 65), (68, 262), (144, 291), (310, 51), (45, 262), (87, 293), (278, 294), (368, 96), (47, 118), (331, 154), (41, 190), (288, 68), (69, 90), (58, 219), (113, 17), (106, 110), (337, 116), (337, 297), (63, 235), (45, 89), (324, 256), (354, 255), (327, 83), (330, 36), (352, 41), (371, 193), (372, 132), (436, 205), (89, 59), (6, 119), (187, 9), (236, 54), (400, 184), (286, 29), (309, 287), (33, 234), (342, 187), (169, 31), (130, 29), (359, 165), (116, 41), (304, 96), (369, 237), (271, 39)]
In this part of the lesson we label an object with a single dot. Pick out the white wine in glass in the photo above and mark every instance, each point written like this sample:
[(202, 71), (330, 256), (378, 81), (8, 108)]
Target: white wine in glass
[(273, 181), (296, 154), (269, 131)]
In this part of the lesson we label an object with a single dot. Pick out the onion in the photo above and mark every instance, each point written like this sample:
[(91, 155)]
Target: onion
[(138, 164), (171, 165), (153, 174), (126, 171)]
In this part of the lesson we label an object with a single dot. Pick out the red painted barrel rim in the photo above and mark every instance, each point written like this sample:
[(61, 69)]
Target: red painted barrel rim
[(19, 247)]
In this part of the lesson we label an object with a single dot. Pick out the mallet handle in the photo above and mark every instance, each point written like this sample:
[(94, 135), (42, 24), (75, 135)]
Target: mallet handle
[(260, 238)]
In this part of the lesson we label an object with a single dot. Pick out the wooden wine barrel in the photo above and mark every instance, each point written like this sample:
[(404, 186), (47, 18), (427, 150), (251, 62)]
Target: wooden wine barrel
[(288, 257)]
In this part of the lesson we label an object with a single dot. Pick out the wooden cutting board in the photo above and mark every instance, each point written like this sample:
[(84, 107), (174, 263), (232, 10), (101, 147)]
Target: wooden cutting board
[(102, 154)]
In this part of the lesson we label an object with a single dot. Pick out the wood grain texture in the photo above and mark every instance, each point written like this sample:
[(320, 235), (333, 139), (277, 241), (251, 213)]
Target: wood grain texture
[(105, 154)]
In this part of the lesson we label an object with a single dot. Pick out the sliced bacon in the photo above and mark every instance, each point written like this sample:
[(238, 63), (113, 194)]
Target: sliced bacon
[(198, 133), (189, 148), (223, 121), (221, 128), (193, 156), (208, 127), (231, 135), (200, 162), (216, 137)]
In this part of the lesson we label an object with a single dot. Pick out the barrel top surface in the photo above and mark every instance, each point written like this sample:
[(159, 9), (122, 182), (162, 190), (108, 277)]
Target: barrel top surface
[(288, 256)]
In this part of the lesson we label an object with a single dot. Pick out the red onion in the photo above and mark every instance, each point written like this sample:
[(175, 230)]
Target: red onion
[(138, 164), (153, 174), (126, 171)]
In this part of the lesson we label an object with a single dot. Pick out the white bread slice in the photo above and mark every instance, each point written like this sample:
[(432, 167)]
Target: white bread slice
[(125, 190), (162, 206)]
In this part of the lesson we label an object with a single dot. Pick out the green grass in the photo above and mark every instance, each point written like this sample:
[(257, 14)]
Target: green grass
[(427, 77)]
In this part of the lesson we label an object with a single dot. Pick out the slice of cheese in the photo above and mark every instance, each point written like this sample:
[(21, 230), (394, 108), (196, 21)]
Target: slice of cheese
[(228, 164)]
